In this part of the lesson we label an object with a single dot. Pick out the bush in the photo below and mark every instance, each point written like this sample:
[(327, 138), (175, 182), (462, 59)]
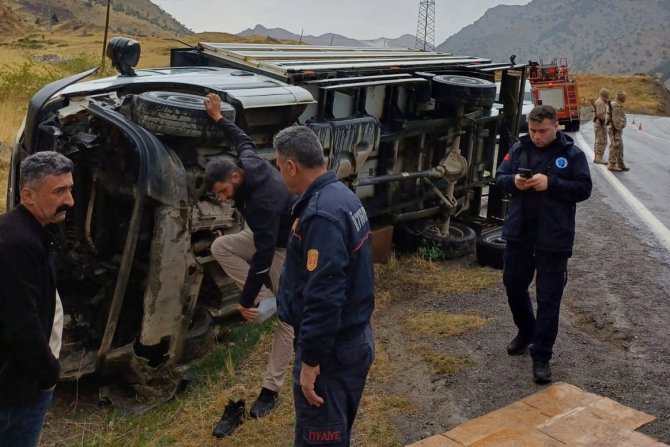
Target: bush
[(25, 79)]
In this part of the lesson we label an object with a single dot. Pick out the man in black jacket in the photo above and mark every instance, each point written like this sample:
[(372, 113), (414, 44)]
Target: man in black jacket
[(255, 256), (29, 368), (546, 175)]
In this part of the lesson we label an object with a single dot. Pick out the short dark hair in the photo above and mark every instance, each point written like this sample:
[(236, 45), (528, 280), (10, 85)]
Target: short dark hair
[(543, 112), (35, 168), (219, 170), (301, 144)]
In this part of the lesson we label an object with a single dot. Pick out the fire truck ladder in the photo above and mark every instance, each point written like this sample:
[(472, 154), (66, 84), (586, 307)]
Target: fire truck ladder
[(571, 98)]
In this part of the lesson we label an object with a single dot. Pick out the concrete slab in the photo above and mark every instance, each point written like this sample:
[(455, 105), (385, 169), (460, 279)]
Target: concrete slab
[(518, 437), (559, 398), (581, 427), (517, 414), (625, 416), (561, 415), (436, 441)]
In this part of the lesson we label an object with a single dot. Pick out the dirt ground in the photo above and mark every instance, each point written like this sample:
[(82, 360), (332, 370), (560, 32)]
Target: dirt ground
[(614, 337)]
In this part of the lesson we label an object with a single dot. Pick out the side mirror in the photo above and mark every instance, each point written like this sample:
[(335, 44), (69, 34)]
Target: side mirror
[(124, 54)]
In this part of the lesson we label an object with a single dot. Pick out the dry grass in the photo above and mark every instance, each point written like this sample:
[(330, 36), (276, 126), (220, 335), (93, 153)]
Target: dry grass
[(442, 364), (443, 323), (643, 93), (414, 272), (374, 426), (188, 420)]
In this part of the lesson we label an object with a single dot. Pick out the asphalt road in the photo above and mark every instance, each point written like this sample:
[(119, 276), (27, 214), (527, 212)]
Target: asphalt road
[(647, 153)]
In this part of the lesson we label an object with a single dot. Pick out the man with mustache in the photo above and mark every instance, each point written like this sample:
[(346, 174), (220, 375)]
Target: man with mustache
[(30, 310)]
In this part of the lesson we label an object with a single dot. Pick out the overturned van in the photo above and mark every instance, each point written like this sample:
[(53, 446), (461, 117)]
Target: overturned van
[(413, 133)]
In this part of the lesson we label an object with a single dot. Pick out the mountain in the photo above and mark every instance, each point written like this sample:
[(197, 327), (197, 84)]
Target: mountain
[(131, 17), (329, 39), (602, 36)]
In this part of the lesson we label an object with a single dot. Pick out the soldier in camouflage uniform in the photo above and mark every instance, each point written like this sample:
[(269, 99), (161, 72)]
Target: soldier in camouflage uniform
[(616, 121), (599, 127)]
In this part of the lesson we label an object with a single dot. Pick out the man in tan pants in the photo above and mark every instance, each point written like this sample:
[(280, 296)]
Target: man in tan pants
[(616, 121), (234, 252), (599, 126), (253, 258)]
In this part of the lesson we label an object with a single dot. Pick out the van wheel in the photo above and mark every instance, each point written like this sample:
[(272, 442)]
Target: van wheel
[(177, 114), (464, 90), (490, 248), (424, 236), (200, 335)]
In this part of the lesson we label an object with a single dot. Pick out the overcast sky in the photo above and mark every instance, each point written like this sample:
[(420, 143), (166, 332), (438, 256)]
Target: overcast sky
[(358, 19)]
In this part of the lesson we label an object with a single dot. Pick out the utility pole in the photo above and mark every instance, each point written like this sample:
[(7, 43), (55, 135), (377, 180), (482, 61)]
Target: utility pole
[(104, 41), (425, 27)]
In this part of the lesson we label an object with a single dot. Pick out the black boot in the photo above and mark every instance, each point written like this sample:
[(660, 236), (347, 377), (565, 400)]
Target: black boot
[(231, 419), (519, 345), (267, 401), (541, 372)]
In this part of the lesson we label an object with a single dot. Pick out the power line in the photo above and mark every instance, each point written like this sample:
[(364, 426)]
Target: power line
[(425, 26)]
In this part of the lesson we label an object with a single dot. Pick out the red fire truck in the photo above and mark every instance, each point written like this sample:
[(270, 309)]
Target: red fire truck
[(552, 85)]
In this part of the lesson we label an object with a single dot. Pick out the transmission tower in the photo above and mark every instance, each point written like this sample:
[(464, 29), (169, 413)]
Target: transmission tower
[(425, 27), (46, 14)]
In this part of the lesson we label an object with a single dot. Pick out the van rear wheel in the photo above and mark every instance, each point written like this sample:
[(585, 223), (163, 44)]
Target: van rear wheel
[(424, 235), (464, 90)]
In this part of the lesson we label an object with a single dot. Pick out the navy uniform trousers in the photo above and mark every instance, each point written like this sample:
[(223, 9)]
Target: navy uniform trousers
[(340, 384), (520, 262)]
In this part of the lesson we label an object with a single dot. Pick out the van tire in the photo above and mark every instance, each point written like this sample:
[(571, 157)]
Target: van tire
[(459, 243), (176, 114), (464, 90), (490, 248)]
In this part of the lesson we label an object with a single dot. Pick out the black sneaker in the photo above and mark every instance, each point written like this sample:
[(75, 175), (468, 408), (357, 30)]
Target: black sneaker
[(231, 419), (267, 401), (541, 372), (519, 345)]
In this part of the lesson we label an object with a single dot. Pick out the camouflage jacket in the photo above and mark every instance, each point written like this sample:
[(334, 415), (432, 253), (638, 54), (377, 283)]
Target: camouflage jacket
[(616, 116), (600, 108)]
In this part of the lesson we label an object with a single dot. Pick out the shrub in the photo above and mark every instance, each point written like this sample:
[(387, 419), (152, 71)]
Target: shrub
[(25, 79)]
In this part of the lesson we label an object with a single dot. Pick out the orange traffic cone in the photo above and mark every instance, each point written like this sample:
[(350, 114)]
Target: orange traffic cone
[(639, 127), (633, 121)]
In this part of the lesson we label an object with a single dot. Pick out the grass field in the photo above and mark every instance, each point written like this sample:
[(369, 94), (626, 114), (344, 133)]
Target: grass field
[(644, 94)]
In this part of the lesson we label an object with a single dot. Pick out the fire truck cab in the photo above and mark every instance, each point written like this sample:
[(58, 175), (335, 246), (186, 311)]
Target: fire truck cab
[(552, 85)]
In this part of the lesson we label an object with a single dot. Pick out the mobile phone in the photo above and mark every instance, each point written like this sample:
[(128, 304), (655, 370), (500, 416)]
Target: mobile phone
[(524, 172)]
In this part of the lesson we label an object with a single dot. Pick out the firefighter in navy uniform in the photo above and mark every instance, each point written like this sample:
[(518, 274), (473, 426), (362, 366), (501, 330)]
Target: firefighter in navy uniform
[(539, 230), (326, 292)]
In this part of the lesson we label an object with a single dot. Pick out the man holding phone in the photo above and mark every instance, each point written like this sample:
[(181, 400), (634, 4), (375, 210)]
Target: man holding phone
[(546, 174)]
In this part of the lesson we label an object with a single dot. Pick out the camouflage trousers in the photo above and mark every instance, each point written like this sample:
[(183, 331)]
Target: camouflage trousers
[(616, 146), (601, 138)]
